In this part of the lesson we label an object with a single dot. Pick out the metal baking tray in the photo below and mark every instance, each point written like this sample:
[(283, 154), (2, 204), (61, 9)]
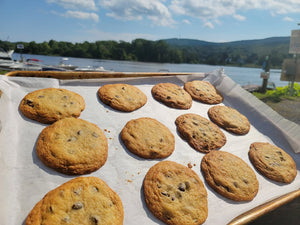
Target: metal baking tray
[(26, 180)]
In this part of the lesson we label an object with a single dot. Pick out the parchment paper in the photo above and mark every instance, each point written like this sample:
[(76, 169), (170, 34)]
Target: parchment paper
[(25, 180)]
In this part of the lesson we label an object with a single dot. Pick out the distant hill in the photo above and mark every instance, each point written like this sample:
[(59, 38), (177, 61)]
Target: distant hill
[(193, 42), (244, 52)]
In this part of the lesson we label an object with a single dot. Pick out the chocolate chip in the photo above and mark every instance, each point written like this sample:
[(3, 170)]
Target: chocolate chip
[(29, 103), (77, 205), (165, 193), (227, 188), (95, 189), (94, 219), (167, 215), (235, 184), (178, 194), (187, 185), (78, 191), (72, 139), (181, 187), (168, 97), (79, 132)]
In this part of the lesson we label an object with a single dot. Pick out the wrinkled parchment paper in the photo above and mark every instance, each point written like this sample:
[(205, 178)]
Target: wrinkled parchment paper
[(24, 180)]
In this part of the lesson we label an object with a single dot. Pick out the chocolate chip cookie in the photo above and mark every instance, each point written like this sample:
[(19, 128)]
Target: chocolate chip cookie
[(148, 138), (175, 194), (51, 104), (72, 146), (203, 91), (200, 133), (273, 162), (229, 119), (229, 176), (82, 200), (123, 97), (172, 95)]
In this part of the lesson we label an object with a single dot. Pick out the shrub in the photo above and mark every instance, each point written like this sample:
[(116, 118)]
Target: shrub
[(280, 92)]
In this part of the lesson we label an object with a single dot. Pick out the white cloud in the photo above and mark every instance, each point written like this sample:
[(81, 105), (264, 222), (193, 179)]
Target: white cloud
[(209, 25), (186, 21), (76, 4), (239, 17), (165, 12), (79, 9), (214, 9), (81, 15), (289, 19), (154, 10)]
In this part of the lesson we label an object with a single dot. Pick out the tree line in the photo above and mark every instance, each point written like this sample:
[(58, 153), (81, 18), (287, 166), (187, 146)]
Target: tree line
[(156, 51)]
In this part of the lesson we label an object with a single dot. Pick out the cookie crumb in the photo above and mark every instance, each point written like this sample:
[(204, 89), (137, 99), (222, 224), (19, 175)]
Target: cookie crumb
[(190, 165)]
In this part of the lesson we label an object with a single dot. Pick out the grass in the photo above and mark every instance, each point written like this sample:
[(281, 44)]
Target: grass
[(279, 94), (2, 72)]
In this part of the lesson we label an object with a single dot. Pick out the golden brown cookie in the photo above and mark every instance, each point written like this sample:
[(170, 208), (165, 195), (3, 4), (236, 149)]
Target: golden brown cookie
[(51, 104), (82, 200), (229, 175), (175, 194), (148, 138), (273, 162), (203, 91), (172, 95), (123, 97), (72, 146), (200, 133), (229, 119)]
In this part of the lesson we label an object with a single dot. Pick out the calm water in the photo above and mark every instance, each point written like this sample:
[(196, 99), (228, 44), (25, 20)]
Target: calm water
[(240, 75)]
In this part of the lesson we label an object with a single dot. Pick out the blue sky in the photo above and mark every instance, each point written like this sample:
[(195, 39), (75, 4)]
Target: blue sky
[(126, 20)]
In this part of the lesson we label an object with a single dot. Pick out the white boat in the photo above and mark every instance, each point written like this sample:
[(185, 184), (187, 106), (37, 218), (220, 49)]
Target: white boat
[(63, 65), (29, 64), (6, 59), (91, 69), (6, 55)]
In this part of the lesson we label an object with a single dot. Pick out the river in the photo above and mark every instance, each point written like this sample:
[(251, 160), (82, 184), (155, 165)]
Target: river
[(241, 75)]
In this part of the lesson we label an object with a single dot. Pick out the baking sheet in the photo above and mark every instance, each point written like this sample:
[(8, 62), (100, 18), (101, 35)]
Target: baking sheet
[(25, 180)]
